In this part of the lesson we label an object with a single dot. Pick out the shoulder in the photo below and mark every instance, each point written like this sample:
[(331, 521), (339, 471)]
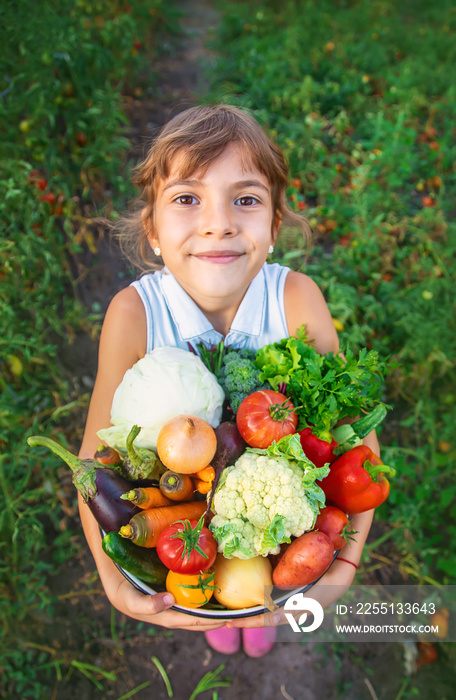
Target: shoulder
[(125, 324), (305, 303)]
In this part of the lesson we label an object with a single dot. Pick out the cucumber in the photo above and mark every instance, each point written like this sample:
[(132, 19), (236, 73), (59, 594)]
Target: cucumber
[(139, 561)]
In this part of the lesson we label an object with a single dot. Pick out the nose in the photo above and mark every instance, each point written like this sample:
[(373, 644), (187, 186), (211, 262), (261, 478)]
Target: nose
[(219, 219)]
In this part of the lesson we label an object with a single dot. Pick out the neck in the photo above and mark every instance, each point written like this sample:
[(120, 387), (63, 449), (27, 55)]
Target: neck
[(220, 322), (220, 311), (220, 319)]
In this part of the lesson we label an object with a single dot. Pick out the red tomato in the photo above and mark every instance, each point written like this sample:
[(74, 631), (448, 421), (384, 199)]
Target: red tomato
[(34, 175), (48, 197), (334, 523), (81, 138), (186, 547), (265, 416)]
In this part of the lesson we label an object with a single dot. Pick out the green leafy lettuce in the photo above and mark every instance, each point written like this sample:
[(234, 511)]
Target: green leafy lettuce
[(324, 388)]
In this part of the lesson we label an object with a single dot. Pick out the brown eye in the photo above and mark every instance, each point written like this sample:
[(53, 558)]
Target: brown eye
[(185, 199), (247, 201)]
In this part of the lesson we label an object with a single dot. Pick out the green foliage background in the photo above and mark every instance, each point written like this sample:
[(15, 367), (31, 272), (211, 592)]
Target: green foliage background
[(67, 70), (359, 95)]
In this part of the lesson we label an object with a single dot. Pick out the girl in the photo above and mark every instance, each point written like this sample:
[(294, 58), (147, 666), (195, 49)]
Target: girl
[(213, 199)]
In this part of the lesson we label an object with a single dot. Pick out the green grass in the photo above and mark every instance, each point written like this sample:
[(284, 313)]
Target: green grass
[(66, 73), (358, 96)]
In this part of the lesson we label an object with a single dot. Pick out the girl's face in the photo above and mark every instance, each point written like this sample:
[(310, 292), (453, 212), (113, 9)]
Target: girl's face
[(214, 229)]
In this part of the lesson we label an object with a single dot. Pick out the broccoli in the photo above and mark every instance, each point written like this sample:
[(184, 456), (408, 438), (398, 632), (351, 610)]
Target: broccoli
[(239, 376)]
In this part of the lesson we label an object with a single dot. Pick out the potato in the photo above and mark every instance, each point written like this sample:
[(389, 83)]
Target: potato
[(275, 558), (305, 560)]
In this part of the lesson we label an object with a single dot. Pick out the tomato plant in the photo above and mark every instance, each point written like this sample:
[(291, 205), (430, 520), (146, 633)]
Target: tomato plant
[(187, 547), (48, 197), (334, 523), (265, 416), (193, 591)]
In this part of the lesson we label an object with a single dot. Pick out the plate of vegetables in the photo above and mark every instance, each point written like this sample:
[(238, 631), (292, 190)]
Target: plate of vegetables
[(233, 493)]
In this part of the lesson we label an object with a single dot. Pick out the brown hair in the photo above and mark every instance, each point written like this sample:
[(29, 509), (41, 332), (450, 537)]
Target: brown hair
[(200, 135)]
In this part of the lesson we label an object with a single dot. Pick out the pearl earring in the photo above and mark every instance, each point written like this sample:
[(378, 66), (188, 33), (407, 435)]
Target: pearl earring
[(271, 249), (157, 251)]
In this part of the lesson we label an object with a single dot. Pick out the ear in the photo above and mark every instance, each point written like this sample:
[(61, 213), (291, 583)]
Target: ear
[(148, 228), (276, 226)]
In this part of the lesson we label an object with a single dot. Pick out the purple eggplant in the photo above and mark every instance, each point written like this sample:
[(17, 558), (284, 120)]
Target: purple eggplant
[(101, 487), (230, 446)]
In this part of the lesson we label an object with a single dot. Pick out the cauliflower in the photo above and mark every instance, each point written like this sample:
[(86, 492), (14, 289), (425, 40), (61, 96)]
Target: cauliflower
[(239, 376), (264, 499), (163, 384)]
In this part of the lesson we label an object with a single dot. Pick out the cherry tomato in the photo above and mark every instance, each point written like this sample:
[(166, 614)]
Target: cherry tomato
[(186, 547), (192, 591), (265, 416), (428, 654), (334, 523), (81, 139), (48, 197), (34, 175)]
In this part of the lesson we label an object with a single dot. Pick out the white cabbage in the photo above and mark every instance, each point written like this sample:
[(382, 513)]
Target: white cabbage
[(165, 383)]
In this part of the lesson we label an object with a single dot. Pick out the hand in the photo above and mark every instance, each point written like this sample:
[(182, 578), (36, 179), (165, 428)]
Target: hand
[(155, 609)]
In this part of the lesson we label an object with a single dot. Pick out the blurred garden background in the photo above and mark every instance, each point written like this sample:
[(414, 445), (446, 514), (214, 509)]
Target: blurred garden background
[(361, 97)]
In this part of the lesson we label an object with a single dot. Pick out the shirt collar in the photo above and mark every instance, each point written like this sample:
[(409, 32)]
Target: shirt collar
[(192, 323)]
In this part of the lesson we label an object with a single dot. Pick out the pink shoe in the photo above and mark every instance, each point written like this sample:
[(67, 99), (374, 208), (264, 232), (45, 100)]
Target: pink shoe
[(258, 641), (224, 640)]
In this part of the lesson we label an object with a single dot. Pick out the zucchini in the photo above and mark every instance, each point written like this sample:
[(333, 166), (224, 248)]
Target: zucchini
[(139, 561)]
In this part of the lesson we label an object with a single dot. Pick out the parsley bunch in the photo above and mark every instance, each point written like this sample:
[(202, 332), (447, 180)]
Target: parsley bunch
[(324, 388)]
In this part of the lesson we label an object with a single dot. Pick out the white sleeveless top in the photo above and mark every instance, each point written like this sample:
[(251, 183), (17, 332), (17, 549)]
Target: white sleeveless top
[(173, 318)]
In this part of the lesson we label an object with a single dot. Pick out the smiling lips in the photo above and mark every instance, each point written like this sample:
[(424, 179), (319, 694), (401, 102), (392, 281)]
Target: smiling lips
[(218, 256)]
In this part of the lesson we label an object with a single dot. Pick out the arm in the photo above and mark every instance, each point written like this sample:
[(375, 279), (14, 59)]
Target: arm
[(304, 303), (122, 343)]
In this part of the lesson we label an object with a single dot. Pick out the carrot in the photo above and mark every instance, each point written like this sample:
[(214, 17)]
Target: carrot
[(145, 527), (148, 497), (177, 487), (206, 474), (202, 486)]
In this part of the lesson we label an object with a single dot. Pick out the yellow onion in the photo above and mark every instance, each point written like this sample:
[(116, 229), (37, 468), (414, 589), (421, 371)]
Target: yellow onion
[(186, 444), (241, 583)]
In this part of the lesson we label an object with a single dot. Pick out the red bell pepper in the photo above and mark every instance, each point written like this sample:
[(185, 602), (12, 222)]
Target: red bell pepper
[(324, 448), (319, 451), (356, 481)]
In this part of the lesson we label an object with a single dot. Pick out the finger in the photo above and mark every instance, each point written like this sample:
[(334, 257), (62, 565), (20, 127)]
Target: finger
[(177, 620), (157, 608), (271, 619), (195, 624), (140, 604)]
